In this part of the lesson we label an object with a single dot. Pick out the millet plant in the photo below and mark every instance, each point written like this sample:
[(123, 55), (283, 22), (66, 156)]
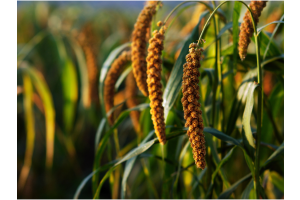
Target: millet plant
[(190, 114)]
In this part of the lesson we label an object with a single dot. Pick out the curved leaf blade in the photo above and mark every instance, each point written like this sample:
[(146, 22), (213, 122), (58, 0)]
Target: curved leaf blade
[(129, 166), (30, 131), (44, 92), (248, 137), (221, 136), (264, 26), (226, 194), (247, 191), (174, 84)]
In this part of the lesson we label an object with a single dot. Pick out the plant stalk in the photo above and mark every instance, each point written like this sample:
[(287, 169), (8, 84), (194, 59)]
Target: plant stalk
[(259, 115)]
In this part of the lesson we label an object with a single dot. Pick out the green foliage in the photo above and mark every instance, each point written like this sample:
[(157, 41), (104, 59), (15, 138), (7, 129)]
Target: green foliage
[(86, 157)]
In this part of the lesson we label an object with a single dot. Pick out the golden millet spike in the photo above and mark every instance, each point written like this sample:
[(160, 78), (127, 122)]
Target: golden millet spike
[(191, 105), (139, 43), (246, 29), (87, 40), (154, 85), (130, 94), (111, 79)]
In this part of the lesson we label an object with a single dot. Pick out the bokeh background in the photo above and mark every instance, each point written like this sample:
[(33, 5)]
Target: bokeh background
[(78, 114)]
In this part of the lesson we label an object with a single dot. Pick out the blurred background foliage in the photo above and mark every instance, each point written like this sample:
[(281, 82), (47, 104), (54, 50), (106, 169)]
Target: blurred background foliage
[(57, 101)]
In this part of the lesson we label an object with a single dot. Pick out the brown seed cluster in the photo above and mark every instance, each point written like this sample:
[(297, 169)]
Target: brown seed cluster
[(246, 30), (139, 42), (87, 40), (131, 91), (154, 85), (111, 79), (191, 105)]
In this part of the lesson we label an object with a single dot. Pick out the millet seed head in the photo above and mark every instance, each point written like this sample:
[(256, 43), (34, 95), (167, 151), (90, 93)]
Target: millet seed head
[(246, 29), (191, 106), (109, 84), (87, 40), (154, 85), (139, 51)]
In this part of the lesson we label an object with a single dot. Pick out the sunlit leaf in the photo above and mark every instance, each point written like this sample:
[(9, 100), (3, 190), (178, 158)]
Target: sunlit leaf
[(277, 180), (69, 85), (44, 92), (122, 77), (83, 74), (248, 137), (240, 100), (30, 130)]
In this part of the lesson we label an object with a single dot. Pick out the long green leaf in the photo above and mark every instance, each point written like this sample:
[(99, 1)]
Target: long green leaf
[(264, 26), (223, 161), (99, 133), (271, 38), (122, 77), (86, 179), (221, 136), (129, 166), (181, 156), (226, 194), (248, 137), (248, 189), (276, 155), (265, 42), (44, 92), (30, 131), (277, 180), (135, 152), (103, 142), (84, 99), (70, 91), (239, 100), (69, 85)]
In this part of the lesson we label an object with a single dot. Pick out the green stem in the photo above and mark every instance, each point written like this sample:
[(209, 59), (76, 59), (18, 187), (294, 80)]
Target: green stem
[(208, 20), (169, 15), (218, 71), (259, 115), (260, 94), (174, 9), (259, 107), (216, 82)]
